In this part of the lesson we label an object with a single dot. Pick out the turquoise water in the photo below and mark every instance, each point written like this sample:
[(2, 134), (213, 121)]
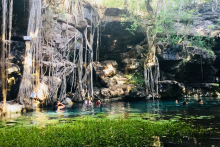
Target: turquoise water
[(211, 106), (206, 115), (162, 109)]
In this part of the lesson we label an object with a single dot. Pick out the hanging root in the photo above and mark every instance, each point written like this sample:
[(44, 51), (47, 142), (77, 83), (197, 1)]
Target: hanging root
[(27, 83), (60, 47), (152, 78)]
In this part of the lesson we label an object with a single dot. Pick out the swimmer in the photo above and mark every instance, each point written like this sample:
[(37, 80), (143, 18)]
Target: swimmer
[(58, 105), (200, 101), (177, 102), (185, 103), (87, 102), (98, 102)]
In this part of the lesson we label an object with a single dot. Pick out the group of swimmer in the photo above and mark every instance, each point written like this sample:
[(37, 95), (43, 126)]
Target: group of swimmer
[(58, 105), (185, 103)]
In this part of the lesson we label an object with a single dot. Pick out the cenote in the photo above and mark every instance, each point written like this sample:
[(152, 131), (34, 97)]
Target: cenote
[(137, 56), (204, 115)]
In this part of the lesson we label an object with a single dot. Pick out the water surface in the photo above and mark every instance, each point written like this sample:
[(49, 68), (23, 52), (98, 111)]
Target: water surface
[(206, 115), (162, 108)]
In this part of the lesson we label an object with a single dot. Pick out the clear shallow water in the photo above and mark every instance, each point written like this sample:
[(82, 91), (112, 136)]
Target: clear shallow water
[(206, 115), (161, 109)]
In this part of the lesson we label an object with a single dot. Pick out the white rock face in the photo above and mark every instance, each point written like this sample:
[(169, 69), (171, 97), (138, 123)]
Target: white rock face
[(11, 107), (68, 102)]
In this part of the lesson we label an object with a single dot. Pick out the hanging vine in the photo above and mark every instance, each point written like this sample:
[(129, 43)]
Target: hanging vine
[(7, 10), (151, 65), (60, 37)]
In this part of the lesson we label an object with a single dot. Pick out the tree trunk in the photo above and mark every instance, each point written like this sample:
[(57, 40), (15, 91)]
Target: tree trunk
[(164, 5), (126, 4), (148, 7), (3, 50)]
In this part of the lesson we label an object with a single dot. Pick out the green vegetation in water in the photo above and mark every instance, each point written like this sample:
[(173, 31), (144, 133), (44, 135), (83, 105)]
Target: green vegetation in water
[(137, 79), (95, 131)]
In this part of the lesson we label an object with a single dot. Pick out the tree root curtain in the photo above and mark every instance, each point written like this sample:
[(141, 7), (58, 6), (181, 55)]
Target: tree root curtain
[(61, 49), (152, 76), (7, 10)]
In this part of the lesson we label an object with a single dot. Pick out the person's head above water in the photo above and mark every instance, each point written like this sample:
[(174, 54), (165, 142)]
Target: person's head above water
[(176, 101), (185, 103), (56, 103), (98, 102), (200, 101)]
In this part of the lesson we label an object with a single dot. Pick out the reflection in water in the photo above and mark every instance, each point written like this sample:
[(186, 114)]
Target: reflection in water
[(88, 107), (207, 114), (159, 107)]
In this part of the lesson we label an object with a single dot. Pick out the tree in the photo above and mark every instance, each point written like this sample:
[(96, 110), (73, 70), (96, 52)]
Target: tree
[(151, 61), (5, 46), (148, 7)]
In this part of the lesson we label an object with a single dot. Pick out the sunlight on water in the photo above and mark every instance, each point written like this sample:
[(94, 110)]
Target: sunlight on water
[(146, 109)]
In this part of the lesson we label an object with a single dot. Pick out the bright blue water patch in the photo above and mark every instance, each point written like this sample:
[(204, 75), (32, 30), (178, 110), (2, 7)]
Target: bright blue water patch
[(164, 108), (210, 107), (206, 115)]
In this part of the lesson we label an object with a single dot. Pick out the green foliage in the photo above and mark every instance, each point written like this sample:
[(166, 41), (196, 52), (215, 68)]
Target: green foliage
[(137, 79), (133, 28), (113, 3), (133, 6), (62, 13), (205, 43), (219, 19), (202, 42), (90, 131), (167, 21), (173, 39), (211, 27), (134, 22)]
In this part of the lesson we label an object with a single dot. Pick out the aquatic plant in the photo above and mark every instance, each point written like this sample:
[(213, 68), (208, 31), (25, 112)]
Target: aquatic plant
[(89, 131)]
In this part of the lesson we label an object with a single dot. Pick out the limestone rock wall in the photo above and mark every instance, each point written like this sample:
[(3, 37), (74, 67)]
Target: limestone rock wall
[(185, 71)]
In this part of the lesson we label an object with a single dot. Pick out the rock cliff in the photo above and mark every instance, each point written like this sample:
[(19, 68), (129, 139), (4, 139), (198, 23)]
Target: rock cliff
[(185, 70)]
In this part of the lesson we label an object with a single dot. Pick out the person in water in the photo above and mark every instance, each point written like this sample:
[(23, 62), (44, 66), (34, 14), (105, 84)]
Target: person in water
[(177, 102), (185, 103), (98, 102), (200, 101), (87, 102), (58, 105)]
